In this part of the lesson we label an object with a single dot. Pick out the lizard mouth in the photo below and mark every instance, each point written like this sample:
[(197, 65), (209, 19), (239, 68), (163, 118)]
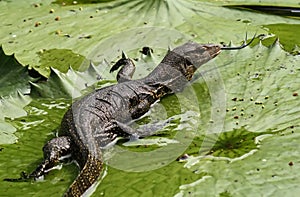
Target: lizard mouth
[(212, 49), (215, 53)]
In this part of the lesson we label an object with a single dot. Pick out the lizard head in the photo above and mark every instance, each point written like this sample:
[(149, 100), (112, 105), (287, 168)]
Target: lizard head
[(188, 57), (197, 54)]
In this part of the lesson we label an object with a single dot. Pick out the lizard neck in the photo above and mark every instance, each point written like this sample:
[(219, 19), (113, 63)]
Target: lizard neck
[(174, 73)]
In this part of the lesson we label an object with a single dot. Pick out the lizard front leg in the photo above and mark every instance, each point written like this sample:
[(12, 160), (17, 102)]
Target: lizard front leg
[(53, 151)]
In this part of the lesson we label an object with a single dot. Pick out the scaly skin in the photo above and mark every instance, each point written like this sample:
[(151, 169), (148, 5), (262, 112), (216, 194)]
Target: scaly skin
[(98, 118)]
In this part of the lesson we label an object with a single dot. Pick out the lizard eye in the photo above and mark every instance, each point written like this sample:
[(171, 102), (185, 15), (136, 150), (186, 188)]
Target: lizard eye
[(188, 62)]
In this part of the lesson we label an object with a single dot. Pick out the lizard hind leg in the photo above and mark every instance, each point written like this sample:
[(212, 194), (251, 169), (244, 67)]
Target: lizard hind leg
[(127, 69)]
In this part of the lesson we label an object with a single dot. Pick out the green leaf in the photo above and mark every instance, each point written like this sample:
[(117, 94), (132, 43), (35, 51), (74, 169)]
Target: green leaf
[(14, 77), (71, 84), (264, 82), (14, 82), (71, 2), (266, 172), (11, 107), (61, 59), (7, 133), (287, 34)]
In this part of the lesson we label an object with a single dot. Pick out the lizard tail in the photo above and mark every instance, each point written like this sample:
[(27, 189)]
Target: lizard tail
[(89, 175)]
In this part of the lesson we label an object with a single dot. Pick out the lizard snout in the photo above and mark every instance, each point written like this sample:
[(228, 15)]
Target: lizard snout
[(212, 49)]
